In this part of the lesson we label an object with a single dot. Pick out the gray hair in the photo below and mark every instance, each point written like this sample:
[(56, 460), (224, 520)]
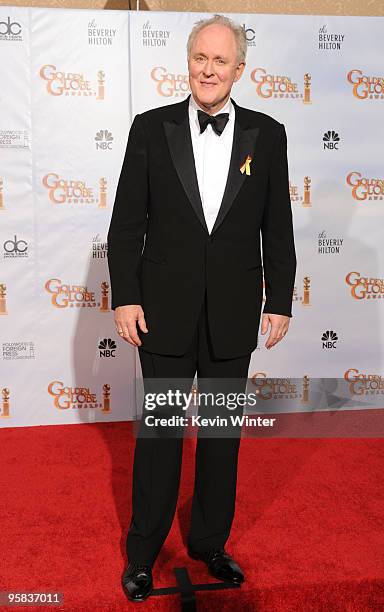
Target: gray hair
[(238, 31)]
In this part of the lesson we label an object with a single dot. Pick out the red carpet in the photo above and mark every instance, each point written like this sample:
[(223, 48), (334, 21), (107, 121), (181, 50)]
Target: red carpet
[(308, 529)]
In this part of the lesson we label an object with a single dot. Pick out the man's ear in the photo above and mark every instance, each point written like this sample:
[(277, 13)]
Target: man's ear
[(239, 70)]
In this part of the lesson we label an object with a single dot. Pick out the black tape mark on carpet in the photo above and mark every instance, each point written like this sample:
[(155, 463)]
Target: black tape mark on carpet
[(187, 589)]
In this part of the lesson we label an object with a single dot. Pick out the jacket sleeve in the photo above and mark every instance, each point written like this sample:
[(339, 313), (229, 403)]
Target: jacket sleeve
[(279, 257), (129, 220)]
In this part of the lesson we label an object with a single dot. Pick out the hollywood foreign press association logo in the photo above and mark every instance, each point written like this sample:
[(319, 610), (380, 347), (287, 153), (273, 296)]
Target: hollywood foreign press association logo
[(18, 350), (331, 140), (103, 140), (107, 348), (329, 339), (14, 139)]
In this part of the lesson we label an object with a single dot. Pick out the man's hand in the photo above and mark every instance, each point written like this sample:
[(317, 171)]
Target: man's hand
[(279, 327), (125, 321)]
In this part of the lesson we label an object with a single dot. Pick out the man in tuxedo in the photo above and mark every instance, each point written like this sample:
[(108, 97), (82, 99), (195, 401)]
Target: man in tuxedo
[(201, 179)]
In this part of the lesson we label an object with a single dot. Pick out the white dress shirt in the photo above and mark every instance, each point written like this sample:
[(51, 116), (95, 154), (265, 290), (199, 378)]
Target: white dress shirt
[(212, 157)]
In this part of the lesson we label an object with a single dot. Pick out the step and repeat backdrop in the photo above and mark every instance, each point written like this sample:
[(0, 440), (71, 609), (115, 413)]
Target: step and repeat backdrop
[(71, 83)]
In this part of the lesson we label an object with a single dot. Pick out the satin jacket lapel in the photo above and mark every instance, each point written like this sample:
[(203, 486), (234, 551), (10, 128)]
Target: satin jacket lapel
[(180, 145), (244, 140)]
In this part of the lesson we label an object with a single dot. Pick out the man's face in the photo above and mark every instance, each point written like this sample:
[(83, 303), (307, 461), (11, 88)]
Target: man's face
[(213, 67)]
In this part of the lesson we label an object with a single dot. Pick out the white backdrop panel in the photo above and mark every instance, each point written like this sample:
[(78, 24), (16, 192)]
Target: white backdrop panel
[(74, 81)]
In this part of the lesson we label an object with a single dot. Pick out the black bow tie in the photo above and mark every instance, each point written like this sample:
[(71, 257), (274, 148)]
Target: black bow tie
[(218, 122)]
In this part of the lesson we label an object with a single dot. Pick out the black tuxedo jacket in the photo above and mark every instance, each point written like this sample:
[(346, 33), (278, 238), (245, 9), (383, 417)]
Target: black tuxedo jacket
[(158, 207)]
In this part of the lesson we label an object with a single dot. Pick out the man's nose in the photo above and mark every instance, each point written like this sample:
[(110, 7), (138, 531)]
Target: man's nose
[(208, 69)]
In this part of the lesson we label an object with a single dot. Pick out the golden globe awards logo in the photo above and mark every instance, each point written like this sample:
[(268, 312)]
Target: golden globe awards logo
[(2, 206), (303, 196), (68, 191), (280, 388), (3, 299), (283, 87), (76, 296), (364, 384), (304, 295), (4, 414), (60, 83), (364, 188), (366, 86), (169, 84), (364, 288), (79, 398)]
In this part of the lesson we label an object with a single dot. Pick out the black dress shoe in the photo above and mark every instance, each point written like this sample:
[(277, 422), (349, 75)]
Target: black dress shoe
[(137, 581), (220, 564)]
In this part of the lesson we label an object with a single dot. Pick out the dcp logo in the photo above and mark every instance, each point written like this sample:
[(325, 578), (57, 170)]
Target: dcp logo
[(15, 246), (8, 27), (249, 34)]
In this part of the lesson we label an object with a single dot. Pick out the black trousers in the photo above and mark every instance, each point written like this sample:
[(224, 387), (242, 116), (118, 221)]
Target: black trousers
[(157, 460)]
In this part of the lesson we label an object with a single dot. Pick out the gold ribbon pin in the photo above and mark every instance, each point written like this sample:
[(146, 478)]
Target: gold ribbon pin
[(246, 166)]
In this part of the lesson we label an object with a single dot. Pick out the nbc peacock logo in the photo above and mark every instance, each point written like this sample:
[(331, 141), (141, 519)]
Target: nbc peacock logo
[(331, 140), (104, 140), (329, 339), (107, 348)]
